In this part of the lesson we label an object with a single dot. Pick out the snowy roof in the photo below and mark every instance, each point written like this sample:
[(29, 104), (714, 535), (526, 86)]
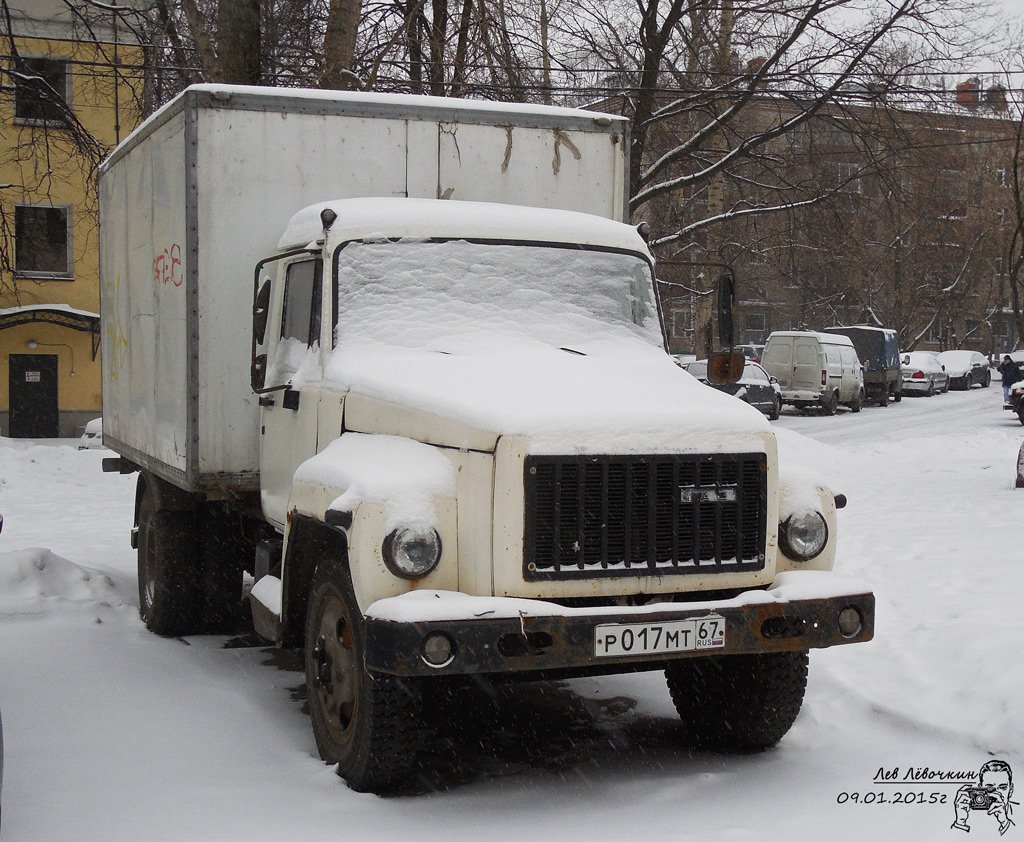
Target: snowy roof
[(831, 338), (52, 308), (415, 100), (423, 218), (447, 108)]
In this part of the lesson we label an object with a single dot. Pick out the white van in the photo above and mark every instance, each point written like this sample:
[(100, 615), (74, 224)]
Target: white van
[(819, 369)]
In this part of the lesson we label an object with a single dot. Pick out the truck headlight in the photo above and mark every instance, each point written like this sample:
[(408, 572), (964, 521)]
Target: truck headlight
[(412, 553), (803, 536)]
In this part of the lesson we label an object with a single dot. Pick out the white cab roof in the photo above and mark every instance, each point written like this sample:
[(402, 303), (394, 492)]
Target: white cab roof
[(360, 219)]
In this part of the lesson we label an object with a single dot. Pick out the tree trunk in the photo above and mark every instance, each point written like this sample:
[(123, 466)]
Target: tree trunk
[(239, 53), (340, 45)]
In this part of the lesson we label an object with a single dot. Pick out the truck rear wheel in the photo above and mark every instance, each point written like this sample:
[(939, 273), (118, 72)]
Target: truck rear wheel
[(830, 405), (169, 593), (367, 723), (738, 702)]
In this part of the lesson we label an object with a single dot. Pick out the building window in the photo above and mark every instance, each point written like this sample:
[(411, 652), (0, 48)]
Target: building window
[(849, 177), (42, 90), (681, 323), (755, 328), (41, 241)]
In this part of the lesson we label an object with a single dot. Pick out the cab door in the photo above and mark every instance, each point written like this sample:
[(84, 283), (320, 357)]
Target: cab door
[(292, 383)]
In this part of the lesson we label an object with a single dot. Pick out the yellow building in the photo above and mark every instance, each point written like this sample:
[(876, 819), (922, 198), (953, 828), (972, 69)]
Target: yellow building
[(70, 94)]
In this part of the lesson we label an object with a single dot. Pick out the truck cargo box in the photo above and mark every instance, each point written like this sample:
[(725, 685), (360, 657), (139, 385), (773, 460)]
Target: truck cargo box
[(203, 190)]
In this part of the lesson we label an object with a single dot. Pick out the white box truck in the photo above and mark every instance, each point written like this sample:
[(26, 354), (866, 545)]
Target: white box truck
[(400, 360)]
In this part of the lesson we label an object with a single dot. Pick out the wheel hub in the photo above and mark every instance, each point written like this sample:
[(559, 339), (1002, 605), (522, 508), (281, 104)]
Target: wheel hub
[(333, 669)]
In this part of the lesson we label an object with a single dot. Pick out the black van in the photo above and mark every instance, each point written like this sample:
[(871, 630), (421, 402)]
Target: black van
[(878, 349)]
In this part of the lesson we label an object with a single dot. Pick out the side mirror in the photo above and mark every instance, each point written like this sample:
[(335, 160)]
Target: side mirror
[(725, 367), (261, 313), (259, 372), (773, 379)]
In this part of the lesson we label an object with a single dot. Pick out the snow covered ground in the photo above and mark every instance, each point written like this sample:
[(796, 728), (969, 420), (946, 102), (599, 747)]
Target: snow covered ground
[(114, 734)]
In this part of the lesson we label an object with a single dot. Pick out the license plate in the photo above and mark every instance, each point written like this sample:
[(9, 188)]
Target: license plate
[(617, 639)]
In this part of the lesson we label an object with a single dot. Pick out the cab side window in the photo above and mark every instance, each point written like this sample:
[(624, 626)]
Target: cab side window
[(300, 318)]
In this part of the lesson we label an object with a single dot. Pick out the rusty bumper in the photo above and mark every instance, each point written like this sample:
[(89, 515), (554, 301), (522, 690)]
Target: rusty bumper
[(567, 643)]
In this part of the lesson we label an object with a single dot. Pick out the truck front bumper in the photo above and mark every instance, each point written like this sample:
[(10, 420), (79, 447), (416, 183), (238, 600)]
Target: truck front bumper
[(495, 635)]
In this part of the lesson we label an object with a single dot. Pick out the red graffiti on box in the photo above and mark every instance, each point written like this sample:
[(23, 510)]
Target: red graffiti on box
[(166, 266)]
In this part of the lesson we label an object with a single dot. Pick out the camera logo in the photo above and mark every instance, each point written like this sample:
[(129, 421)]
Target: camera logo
[(990, 797)]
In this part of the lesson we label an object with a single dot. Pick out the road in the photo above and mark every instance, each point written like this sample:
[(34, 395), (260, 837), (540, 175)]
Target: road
[(912, 418), (114, 734)]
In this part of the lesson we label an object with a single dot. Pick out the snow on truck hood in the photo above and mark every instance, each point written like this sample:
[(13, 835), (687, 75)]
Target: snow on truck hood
[(615, 399)]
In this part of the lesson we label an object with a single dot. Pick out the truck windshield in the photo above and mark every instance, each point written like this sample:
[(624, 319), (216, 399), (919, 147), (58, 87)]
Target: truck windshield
[(422, 293)]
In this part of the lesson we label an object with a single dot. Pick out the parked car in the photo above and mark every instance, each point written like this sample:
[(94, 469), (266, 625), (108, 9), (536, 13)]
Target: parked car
[(1, 720), (93, 435), (683, 360), (923, 373), (1017, 400), (965, 368), (815, 369), (878, 351), (751, 352), (755, 387)]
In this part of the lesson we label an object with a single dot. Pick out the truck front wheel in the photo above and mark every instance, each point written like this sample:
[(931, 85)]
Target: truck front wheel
[(367, 723), (738, 702), (169, 597)]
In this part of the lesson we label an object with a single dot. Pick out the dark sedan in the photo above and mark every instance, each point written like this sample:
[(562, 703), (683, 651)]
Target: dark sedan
[(755, 387), (966, 368)]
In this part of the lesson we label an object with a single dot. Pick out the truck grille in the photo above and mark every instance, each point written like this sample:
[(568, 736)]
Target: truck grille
[(594, 516)]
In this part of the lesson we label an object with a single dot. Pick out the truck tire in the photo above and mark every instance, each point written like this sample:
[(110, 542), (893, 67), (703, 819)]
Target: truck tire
[(367, 723), (169, 593), (738, 702), (857, 402), (830, 405), (897, 394)]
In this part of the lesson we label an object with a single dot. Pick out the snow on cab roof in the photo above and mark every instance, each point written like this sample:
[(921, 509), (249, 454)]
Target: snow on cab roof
[(370, 218)]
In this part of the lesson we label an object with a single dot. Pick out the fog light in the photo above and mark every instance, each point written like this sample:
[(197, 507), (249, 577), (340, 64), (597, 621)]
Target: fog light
[(850, 622), (437, 649)]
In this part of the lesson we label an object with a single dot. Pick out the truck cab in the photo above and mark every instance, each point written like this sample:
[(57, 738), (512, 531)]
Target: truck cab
[(470, 421)]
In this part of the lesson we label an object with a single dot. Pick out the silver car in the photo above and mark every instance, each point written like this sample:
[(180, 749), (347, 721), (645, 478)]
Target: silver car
[(923, 374)]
